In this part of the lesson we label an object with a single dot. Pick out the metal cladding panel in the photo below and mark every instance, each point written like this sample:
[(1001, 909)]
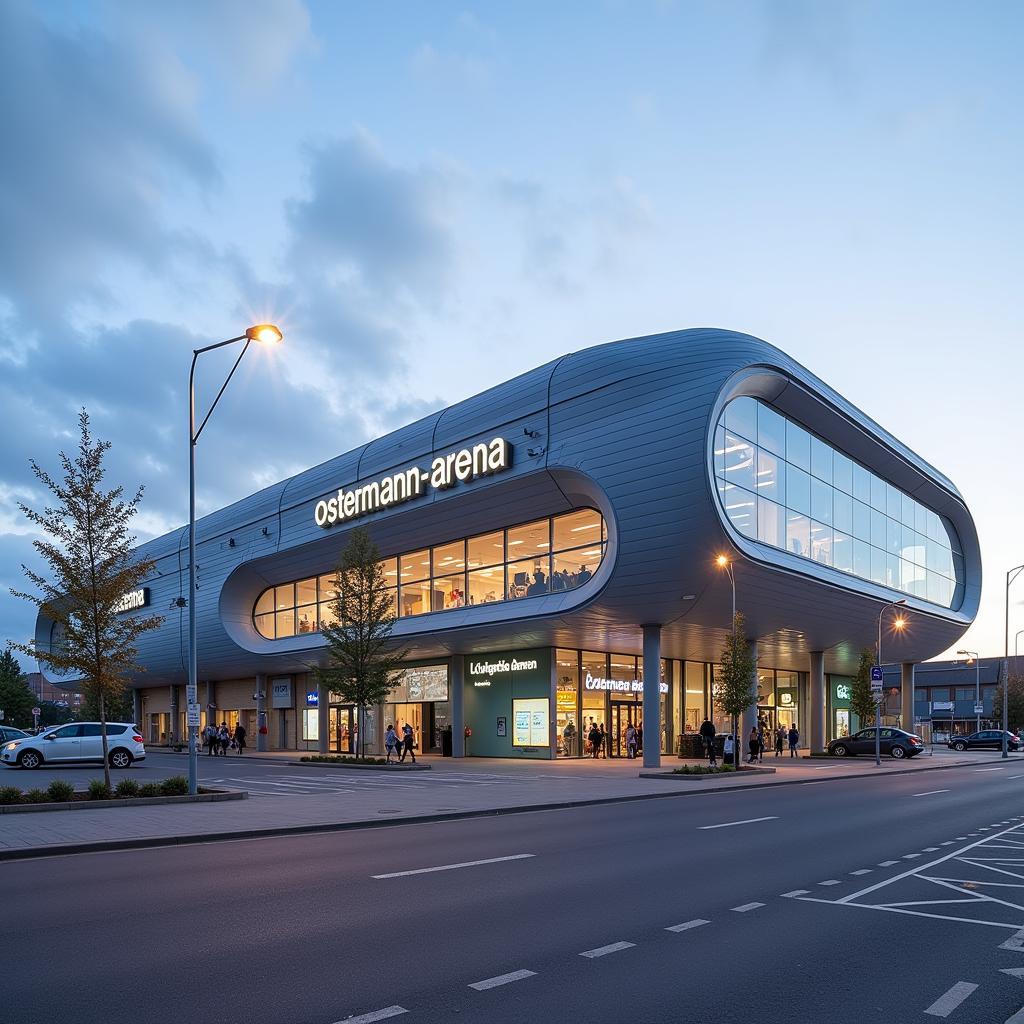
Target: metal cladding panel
[(625, 427)]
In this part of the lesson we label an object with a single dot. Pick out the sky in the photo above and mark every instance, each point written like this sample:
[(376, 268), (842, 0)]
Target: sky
[(432, 198)]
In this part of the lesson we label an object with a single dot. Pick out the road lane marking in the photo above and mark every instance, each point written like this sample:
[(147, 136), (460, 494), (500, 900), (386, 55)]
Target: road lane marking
[(931, 849), (862, 871), (501, 979), (888, 863), (369, 1018), (910, 856), (1017, 1018), (687, 925), (948, 842), (1015, 776), (613, 947), (745, 907), (930, 792), (949, 1001), (745, 821), (453, 867), (796, 892), (1015, 942), (830, 881), (999, 769)]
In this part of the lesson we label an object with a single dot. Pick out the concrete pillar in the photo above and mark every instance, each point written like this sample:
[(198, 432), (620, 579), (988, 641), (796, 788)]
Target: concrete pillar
[(211, 700), (262, 730), (652, 695), (323, 715), (137, 710), (814, 728), (172, 733), (907, 696), (456, 684), (749, 717)]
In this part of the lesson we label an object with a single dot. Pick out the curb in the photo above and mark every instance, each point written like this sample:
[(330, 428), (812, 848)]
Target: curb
[(136, 801), (695, 776), (155, 842)]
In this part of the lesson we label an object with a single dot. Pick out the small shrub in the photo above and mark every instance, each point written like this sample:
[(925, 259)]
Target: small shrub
[(60, 791), (176, 785), (702, 769), (126, 788), (150, 789), (342, 759), (37, 796), (10, 795), (99, 790)]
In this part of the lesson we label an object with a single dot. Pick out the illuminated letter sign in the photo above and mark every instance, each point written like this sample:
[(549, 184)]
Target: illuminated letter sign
[(132, 600), (483, 459)]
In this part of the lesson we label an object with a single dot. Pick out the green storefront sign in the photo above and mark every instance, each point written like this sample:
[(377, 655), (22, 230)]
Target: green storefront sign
[(508, 703)]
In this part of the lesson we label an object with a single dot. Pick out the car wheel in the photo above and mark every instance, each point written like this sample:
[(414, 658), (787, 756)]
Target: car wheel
[(30, 759), (120, 759), (961, 746), (839, 750), (897, 751)]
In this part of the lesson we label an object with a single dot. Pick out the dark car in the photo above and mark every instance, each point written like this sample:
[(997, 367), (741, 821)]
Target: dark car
[(894, 742), (8, 732), (987, 739)]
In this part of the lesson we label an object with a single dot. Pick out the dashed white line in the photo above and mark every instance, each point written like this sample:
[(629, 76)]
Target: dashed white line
[(931, 792), (949, 1001), (687, 925), (501, 979), (830, 881), (861, 871), (369, 1018), (1017, 1018), (745, 821), (743, 908), (930, 849), (948, 842), (795, 892), (999, 769), (888, 863), (910, 856), (613, 947), (1015, 776), (453, 867)]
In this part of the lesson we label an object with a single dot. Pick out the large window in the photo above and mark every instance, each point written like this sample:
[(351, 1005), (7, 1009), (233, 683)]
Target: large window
[(783, 486), (543, 557)]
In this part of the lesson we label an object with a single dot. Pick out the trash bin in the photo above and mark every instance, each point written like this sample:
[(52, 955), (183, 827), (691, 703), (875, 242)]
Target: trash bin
[(446, 742)]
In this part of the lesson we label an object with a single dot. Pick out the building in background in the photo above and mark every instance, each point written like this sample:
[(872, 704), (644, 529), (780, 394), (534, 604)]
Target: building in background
[(53, 692)]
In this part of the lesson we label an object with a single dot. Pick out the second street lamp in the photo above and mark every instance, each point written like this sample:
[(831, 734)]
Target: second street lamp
[(977, 685), (898, 624), (1011, 575), (264, 334)]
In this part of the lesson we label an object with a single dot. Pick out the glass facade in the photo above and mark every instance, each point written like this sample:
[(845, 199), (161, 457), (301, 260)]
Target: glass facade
[(542, 557), (783, 486)]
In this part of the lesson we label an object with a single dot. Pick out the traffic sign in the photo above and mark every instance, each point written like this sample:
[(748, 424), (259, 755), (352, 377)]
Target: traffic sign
[(979, 708), (192, 715), (190, 694), (36, 712)]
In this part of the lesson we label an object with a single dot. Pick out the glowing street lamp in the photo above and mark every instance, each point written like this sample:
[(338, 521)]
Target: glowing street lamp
[(898, 624)]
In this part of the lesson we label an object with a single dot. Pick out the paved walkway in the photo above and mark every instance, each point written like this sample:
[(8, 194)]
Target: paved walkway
[(300, 797)]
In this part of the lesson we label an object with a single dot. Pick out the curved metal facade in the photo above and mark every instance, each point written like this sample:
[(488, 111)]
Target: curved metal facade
[(627, 428)]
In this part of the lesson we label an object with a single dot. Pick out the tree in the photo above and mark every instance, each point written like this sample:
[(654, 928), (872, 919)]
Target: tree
[(361, 660), (92, 566), (16, 699), (1014, 703), (735, 693), (862, 700)]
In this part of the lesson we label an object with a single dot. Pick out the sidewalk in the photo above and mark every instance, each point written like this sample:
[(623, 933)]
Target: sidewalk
[(332, 798)]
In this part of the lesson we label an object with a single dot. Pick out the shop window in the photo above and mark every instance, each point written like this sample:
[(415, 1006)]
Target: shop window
[(487, 549), (414, 566)]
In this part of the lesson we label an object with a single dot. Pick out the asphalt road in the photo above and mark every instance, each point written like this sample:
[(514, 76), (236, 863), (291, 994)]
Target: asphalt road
[(301, 930)]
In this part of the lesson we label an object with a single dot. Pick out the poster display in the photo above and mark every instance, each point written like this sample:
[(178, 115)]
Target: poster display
[(530, 726)]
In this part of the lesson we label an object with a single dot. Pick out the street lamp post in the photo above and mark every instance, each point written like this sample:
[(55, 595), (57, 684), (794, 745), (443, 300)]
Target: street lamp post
[(898, 623), (1016, 639), (265, 334), (724, 562), (977, 684), (1010, 577)]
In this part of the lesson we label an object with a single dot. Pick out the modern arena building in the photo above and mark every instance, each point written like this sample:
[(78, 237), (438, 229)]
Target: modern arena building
[(552, 544)]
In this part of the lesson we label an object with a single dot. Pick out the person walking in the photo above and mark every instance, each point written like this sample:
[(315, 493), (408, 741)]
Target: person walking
[(640, 736), (391, 743), (794, 740), (630, 741), (407, 738), (780, 740), (594, 739), (569, 739), (729, 750), (707, 735), (240, 738), (223, 739), (602, 740), (210, 739), (753, 744)]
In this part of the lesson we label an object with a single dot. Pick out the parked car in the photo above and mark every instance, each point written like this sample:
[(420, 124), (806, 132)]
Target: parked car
[(894, 742), (987, 739), (76, 742), (8, 732)]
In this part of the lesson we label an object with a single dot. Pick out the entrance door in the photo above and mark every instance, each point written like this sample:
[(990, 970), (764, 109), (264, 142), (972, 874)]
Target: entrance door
[(842, 723), (411, 713), (622, 715), (341, 729)]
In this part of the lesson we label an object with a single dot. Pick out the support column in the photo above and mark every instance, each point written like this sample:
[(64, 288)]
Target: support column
[(262, 731), (815, 724), (907, 696), (323, 716), (456, 682), (172, 732), (652, 695), (749, 718)]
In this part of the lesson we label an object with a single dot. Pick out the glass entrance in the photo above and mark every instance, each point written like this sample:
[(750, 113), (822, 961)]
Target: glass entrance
[(842, 716), (343, 730), (402, 713), (622, 715)]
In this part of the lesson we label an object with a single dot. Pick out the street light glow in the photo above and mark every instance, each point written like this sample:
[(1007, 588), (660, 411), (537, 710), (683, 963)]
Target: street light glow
[(721, 561), (899, 622), (266, 333)]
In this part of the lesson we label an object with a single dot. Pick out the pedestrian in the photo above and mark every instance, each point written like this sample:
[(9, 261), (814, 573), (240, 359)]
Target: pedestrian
[(729, 749), (707, 735), (223, 739), (760, 739), (794, 740), (569, 739), (640, 736), (602, 740), (630, 741), (391, 743), (240, 738), (594, 739), (407, 738), (753, 744), (210, 739), (780, 740)]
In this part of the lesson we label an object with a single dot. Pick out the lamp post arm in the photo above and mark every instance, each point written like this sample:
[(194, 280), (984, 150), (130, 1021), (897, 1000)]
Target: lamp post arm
[(227, 380)]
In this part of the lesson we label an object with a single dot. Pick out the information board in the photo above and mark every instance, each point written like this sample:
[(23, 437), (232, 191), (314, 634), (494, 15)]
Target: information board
[(530, 722)]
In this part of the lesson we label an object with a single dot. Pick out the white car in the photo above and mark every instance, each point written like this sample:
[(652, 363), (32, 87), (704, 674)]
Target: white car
[(77, 741)]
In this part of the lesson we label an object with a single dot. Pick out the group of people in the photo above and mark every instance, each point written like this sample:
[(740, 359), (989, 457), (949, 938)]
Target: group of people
[(560, 579), (218, 740), (596, 740), (756, 742), (395, 744)]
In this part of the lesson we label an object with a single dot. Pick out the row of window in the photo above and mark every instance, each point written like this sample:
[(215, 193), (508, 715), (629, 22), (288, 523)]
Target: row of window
[(952, 693), (825, 507), (546, 556)]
